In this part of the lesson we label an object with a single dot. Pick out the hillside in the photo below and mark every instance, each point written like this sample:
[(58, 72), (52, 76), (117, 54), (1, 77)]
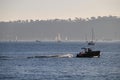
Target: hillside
[(106, 27)]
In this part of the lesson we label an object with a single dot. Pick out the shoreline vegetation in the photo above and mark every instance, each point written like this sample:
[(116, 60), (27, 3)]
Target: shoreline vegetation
[(79, 29), (76, 19)]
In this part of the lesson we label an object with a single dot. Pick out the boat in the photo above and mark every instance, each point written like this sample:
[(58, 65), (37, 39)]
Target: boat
[(92, 42), (58, 38), (38, 41), (88, 52)]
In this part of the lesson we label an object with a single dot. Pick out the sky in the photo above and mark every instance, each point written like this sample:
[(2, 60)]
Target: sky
[(62, 9)]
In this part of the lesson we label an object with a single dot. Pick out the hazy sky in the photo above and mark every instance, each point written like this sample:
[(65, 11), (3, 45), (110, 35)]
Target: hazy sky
[(49, 9)]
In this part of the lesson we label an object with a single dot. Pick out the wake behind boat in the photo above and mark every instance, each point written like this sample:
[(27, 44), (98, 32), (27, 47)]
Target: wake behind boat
[(53, 56)]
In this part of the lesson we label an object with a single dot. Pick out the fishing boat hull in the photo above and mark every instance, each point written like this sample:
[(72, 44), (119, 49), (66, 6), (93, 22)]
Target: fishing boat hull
[(89, 54)]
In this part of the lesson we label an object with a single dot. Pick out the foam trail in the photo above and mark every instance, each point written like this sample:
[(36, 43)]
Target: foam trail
[(54, 56), (65, 56)]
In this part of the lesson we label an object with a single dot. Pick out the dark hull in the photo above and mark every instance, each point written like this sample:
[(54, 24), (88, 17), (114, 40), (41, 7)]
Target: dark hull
[(89, 54), (91, 43)]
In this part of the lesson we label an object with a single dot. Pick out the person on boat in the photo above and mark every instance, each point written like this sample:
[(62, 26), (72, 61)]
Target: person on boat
[(86, 50), (82, 52), (89, 49)]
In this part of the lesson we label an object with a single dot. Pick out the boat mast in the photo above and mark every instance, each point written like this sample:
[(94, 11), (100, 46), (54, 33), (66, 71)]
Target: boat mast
[(16, 38), (86, 38), (92, 34)]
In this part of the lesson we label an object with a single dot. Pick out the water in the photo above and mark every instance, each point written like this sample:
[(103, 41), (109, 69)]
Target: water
[(18, 62)]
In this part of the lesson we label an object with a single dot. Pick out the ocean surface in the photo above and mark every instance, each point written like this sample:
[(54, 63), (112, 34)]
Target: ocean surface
[(57, 61)]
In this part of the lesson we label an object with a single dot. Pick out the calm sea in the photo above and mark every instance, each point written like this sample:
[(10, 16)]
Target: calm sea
[(18, 61)]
